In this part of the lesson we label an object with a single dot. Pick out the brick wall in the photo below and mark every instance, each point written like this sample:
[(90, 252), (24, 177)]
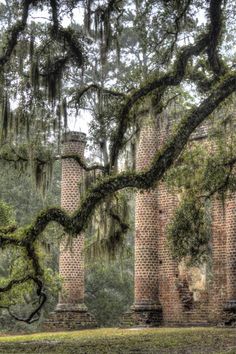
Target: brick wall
[(217, 286), (186, 295)]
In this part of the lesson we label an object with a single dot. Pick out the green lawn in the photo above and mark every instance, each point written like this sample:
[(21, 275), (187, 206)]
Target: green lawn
[(112, 340)]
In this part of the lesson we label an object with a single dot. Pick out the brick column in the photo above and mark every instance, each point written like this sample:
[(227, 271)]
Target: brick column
[(217, 282), (71, 312), (230, 228), (71, 259), (146, 309)]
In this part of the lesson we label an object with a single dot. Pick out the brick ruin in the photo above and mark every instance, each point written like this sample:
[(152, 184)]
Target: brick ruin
[(166, 293)]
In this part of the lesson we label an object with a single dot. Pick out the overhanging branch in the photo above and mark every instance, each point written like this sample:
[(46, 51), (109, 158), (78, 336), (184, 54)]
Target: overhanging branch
[(79, 93), (144, 180), (172, 78)]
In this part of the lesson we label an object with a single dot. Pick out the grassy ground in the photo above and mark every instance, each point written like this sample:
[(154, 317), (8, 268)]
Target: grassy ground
[(112, 340)]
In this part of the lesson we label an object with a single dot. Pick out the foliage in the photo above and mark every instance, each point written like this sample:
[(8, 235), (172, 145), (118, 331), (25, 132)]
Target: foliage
[(18, 189), (109, 290), (6, 214), (110, 232), (108, 285), (109, 262), (199, 177)]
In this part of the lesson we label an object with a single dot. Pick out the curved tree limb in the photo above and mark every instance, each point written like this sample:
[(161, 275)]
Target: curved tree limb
[(216, 19), (35, 277), (144, 180), (54, 7), (15, 282), (79, 93), (173, 78), (35, 314), (82, 163), (16, 157)]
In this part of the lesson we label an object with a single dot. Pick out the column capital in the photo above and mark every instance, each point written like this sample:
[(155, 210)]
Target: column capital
[(74, 136)]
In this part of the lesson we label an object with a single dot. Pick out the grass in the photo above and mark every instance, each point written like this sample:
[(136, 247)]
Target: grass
[(119, 341)]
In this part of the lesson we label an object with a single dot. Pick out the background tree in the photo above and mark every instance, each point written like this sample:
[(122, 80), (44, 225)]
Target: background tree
[(109, 282)]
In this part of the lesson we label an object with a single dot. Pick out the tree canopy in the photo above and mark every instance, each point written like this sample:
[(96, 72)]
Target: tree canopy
[(118, 60)]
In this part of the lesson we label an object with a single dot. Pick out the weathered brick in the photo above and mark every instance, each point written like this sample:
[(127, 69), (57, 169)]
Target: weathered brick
[(71, 312), (181, 295)]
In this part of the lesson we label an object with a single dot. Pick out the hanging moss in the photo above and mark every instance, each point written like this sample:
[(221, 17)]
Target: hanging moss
[(109, 226), (21, 65), (16, 127), (27, 127), (52, 79), (31, 47), (42, 175), (52, 87), (58, 123), (118, 50), (34, 75), (5, 117), (32, 159), (64, 112), (103, 29), (87, 16)]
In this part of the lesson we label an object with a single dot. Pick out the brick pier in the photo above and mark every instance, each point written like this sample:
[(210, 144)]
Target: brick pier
[(146, 310), (230, 228), (71, 313)]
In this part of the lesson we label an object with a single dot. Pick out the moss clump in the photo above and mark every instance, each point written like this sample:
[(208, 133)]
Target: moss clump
[(189, 232), (6, 214)]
